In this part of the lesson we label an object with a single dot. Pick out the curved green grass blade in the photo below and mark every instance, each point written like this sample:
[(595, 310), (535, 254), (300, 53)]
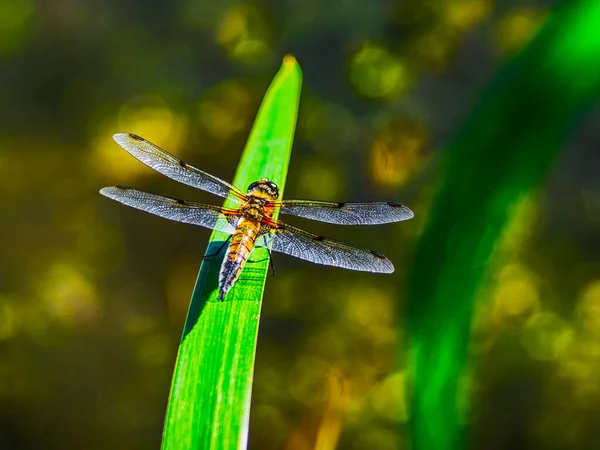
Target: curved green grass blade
[(503, 152), (210, 394)]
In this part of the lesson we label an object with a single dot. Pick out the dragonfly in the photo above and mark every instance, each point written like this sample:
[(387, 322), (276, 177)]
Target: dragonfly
[(251, 223)]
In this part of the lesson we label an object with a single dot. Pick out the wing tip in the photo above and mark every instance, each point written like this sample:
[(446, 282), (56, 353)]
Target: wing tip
[(123, 138), (107, 192), (407, 213), (117, 137), (110, 191), (387, 266)]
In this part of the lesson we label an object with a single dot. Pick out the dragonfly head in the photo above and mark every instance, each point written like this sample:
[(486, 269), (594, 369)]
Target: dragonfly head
[(264, 188)]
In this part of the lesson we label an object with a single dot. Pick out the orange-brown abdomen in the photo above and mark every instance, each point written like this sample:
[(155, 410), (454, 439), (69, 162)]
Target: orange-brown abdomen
[(242, 243)]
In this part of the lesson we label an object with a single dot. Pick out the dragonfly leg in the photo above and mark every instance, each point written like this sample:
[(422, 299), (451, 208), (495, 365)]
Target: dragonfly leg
[(220, 248), (271, 263), (264, 259)]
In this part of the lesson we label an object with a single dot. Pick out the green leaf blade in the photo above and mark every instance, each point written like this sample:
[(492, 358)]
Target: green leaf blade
[(210, 394), (503, 152)]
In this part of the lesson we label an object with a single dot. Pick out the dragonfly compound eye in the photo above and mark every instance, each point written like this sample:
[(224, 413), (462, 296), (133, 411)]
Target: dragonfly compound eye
[(266, 186), (273, 189)]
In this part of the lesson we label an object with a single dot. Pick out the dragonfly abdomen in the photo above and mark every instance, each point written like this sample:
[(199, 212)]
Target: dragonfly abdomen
[(242, 243)]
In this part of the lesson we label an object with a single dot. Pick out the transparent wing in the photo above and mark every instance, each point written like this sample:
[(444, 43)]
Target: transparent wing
[(171, 166), (293, 241), (209, 216), (346, 213)]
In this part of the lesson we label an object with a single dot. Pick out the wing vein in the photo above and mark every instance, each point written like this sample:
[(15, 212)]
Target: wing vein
[(296, 242), (346, 213), (176, 169), (209, 216)]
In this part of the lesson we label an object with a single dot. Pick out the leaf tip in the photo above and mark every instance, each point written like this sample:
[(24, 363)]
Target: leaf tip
[(290, 65), (289, 60)]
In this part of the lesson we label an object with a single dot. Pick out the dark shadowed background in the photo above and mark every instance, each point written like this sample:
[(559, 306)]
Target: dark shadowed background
[(93, 295)]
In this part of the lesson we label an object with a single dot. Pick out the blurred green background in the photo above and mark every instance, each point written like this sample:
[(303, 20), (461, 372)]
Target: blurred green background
[(93, 295)]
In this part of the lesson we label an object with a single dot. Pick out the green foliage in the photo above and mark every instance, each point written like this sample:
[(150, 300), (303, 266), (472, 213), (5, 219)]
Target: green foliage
[(504, 151), (210, 396)]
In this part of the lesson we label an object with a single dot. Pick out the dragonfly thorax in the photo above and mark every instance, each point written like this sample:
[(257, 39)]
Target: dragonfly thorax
[(254, 208), (264, 188)]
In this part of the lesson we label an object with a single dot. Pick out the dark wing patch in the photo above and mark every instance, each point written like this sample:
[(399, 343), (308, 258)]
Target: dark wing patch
[(346, 213), (209, 216), (171, 166), (293, 241)]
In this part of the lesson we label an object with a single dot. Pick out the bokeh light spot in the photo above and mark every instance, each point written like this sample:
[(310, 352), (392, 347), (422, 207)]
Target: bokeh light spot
[(589, 306), (308, 380), (320, 181), (465, 14), (148, 117), (68, 295), (397, 152), (154, 350), (8, 318), (546, 336), (517, 29), (389, 398), (517, 293), (225, 110), (434, 47), (272, 420), (581, 366), (370, 313), (243, 32), (377, 73)]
